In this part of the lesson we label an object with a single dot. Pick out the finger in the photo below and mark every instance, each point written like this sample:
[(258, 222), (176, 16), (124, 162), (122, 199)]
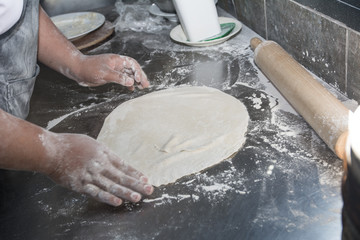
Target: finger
[(141, 79), (122, 78), (139, 75), (118, 76), (131, 88), (129, 182), (125, 193), (127, 81), (128, 71), (139, 86), (130, 63), (127, 169), (116, 189), (102, 196)]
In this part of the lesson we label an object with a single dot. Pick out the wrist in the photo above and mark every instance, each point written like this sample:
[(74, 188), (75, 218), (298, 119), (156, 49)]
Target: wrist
[(73, 68), (51, 153)]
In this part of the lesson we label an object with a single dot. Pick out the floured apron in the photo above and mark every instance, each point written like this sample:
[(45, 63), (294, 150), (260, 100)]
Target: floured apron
[(18, 56)]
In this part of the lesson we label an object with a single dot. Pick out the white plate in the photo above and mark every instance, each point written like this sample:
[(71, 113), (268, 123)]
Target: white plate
[(177, 34), (155, 10), (76, 25)]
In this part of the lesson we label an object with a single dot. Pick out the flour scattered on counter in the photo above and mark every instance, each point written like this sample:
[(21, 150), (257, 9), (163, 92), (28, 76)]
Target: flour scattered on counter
[(286, 130), (45, 207), (217, 187), (217, 190), (164, 196), (270, 170), (64, 207), (168, 199), (78, 110), (279, 146), (207, 187), (189, 182), (44, 190), (257, 101), (56, 121)]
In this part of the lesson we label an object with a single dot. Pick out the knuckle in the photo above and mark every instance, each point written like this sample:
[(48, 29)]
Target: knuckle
[(118, 191), (91, 190)]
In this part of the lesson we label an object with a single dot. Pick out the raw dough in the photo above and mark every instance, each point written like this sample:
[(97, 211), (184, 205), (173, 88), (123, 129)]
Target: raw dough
[(172, 133)]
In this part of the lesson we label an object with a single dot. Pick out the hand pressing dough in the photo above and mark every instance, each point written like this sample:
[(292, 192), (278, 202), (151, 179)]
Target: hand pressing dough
[(172, 133)]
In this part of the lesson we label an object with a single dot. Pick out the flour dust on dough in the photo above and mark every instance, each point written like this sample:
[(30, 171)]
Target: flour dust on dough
[(172, 133)]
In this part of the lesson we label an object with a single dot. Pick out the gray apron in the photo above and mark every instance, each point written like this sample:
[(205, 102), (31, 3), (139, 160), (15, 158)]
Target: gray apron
[(18, 57)]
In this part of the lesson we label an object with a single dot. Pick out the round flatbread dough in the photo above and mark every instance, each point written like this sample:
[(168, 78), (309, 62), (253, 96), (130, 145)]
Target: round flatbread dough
[(172, 133)]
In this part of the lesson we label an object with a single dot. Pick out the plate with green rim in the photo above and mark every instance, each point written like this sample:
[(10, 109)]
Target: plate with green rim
[(177, 34)]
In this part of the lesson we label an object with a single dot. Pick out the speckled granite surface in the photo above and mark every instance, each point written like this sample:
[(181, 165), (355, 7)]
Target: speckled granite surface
[(283, 184)]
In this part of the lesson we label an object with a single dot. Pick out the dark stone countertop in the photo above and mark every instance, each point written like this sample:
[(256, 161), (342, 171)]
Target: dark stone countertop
[(283, 184)]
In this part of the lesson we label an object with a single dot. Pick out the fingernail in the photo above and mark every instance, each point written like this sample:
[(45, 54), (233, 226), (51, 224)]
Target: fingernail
[(148, 189), (135, 197), (129, 82), (144, 179), (118, 202)]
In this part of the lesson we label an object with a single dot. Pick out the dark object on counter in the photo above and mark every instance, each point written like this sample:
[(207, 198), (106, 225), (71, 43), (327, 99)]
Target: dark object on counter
[(351, 209)]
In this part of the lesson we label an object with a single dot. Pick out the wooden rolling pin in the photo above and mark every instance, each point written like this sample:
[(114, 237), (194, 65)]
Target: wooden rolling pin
[(322, 111)]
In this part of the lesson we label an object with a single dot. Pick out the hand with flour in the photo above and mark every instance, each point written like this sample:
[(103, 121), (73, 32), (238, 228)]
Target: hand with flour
[(92, 70), (72, 160), (83, 165), (75, 161), (100, 69)]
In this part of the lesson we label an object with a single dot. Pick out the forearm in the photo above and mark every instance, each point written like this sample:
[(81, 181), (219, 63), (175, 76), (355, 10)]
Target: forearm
[(21, 145), (55, 50), (61, 55), (72, 160)]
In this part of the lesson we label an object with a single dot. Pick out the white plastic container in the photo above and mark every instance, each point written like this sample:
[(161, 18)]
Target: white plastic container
[(353, 143), (198, 18)]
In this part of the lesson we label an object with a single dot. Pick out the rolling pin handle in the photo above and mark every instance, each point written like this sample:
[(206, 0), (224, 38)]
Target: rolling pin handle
[(340, 147), (254, 42)]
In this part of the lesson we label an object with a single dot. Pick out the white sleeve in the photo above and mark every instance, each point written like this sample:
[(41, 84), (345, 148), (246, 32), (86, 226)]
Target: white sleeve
[(10, 13)]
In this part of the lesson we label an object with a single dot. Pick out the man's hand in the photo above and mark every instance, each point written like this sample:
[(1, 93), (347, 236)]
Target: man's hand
[(86, 166), (58, 53), (72, 160), (100, 69)]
